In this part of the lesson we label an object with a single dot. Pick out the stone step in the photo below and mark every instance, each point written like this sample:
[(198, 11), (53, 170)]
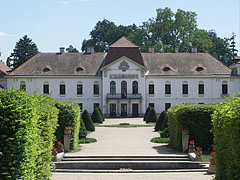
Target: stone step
[(126, 159), (124, 156), (135, 165)]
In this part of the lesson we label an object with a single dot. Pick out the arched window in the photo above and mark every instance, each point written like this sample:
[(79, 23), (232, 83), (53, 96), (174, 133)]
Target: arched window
[(96, 88), (112, 87), (45, 87), (135, 87), (62, 88), (79, 88), (124, 89), (224, 87), (23, 85)]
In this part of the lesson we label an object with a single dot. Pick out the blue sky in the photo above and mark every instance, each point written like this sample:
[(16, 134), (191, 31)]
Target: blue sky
[(54, 23)]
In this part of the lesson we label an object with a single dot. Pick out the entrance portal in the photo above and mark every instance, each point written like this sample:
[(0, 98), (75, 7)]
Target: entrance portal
[(124, 110), (134, 110), (112, 110)]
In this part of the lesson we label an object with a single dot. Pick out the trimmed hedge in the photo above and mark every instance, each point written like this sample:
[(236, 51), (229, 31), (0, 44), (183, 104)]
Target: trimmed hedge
[(146, 113), (226, 130), (82, 130), (69, 116), (196, 118), (152, 116), (96, 116), (88, 121), (101, 114), (27, 124), (160, 121)]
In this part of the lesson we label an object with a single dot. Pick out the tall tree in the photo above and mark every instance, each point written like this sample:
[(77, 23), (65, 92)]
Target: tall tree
[(71, 49), (24, 50), (232, 46)]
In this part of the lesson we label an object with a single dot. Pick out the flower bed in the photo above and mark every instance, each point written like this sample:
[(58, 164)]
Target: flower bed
[(124, 124)]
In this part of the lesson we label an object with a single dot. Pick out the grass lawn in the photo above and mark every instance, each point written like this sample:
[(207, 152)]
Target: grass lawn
[(206, 157), (159, 140), (126, 126), (87, 140)]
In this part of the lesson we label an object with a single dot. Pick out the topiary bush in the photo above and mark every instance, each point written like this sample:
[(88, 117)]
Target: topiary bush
[(88, 121), (27, 124), (226, 130), (82, 130), (160, 120), (165, 123), (101, 114), (164, 133), (196, 118), (146, 113), (152, 116), (96, 116)]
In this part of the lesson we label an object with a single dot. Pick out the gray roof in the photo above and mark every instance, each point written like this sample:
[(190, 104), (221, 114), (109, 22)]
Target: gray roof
[(61, 64), (183, 64)]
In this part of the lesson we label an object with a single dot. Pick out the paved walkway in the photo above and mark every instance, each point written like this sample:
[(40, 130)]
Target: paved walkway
[(124, 141)]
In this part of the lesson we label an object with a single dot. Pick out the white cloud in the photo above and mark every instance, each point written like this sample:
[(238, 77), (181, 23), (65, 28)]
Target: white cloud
[(66, 2), (3, 34)]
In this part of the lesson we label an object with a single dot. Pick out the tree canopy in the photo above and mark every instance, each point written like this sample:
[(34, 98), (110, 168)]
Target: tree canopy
[(71, 49), (165, 32), (24, 50)]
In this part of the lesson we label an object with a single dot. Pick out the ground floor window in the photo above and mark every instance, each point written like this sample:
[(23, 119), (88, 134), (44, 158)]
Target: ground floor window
[(167, 106), (81, 106), (95, 105), (151, 105)]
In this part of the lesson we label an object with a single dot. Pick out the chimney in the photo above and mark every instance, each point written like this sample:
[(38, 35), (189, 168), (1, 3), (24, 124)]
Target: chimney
[(194, 49), (62, 49), (151, 49), (176, 49), (90, 50)]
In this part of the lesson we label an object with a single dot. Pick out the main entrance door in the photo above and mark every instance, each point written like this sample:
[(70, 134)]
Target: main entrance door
[(124, 110), (112, 110), (134, 110)]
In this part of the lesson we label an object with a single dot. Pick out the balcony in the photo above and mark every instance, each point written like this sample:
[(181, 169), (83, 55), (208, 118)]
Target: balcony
[(127, 96)]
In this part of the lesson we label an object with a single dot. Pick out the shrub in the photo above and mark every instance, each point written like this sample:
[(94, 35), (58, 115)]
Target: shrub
[(146, 113), (88, 121), (69, 116), (27, 124), (160, 121), (226, 128), (196, 118), (152, 116), (82, 130), (159, 140), (96, 116), (164, 133), (101, 114)]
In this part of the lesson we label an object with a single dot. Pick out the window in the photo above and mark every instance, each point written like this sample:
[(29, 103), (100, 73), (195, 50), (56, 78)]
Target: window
[(112, 87), (224, 87), (201, 103), (167, 106), (151, 105), (23, 85), (96, 88), (185, 88), (45, 88), (95, 105), (79, 88), (167, 88), (80, 106), (151, 88), (199, 69), (135, 87), (124, 89), (201, 88), (62, 88), (166, 69)]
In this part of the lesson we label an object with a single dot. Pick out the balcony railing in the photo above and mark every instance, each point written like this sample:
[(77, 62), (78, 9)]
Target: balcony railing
[(124, 96)]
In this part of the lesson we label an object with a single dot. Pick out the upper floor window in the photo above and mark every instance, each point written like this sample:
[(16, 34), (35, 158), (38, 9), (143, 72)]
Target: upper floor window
[(167, 88), (200, 88), (151, 88), (23, 85), (112, 87), (62, 88), (79, 88), (224, 87), (185, 88), (135, 87), (96, 88), (45, 88), (124, 89)]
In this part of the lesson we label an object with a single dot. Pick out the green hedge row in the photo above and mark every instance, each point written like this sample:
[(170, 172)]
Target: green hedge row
[(226, 129), (27, 124), (196, 118), (68, 117)]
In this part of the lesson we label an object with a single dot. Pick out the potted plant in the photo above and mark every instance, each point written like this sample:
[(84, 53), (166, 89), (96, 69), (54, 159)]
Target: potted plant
[(212, 160), (198, 151), (54, 151), (60, 146), (191, 146)]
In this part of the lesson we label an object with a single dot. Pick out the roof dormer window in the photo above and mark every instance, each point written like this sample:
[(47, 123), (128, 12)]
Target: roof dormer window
[(79, 69), (47, 69), (166, 69), (199, 69)]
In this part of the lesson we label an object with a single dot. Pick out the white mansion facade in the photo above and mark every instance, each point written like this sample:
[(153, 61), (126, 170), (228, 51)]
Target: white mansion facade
[(124, 81)]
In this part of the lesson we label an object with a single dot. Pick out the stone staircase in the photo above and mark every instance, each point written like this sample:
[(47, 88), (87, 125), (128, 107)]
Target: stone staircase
[(129, 164)]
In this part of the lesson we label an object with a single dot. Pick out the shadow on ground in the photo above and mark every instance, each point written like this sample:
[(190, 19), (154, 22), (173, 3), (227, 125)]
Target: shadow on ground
[(165, 149)]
